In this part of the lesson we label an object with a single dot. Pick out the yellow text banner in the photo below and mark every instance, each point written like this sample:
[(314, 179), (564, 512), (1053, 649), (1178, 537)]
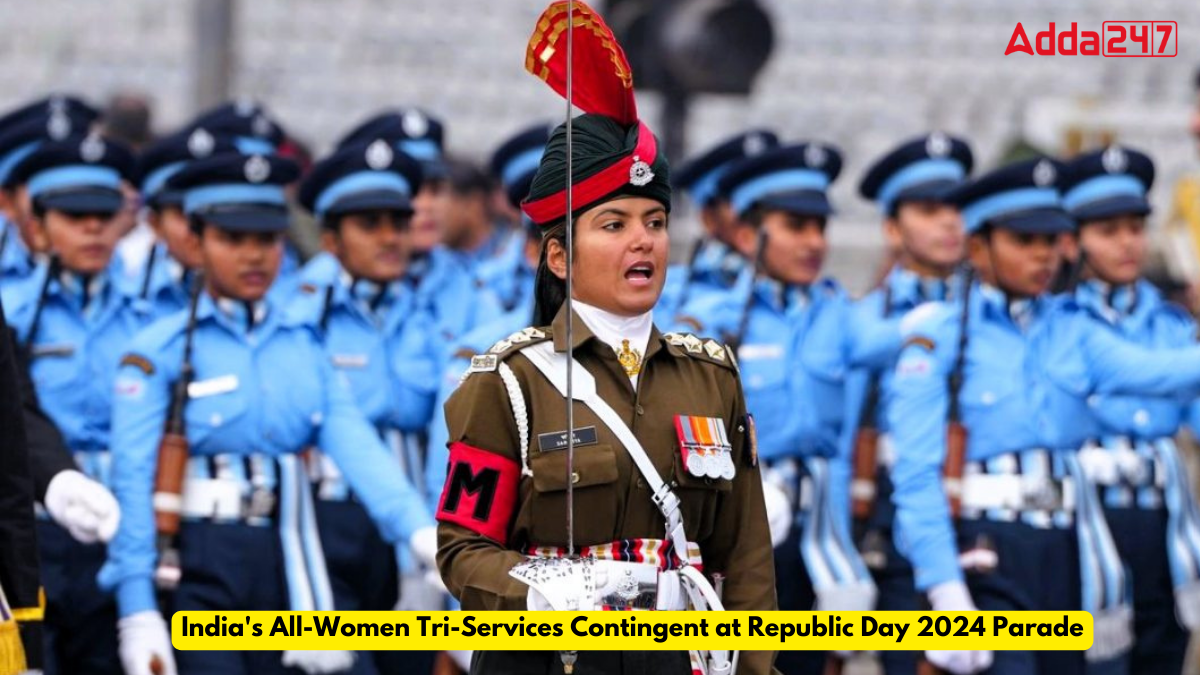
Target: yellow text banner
[(506, 631)]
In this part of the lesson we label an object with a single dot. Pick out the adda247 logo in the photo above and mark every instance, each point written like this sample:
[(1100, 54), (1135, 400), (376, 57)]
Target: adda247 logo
[(1116, 38)]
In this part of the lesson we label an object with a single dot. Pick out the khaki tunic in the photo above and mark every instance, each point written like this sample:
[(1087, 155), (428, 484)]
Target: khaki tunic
[(726, 518)]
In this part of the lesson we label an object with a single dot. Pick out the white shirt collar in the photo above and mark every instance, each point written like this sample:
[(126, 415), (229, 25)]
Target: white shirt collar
[(613, 329)]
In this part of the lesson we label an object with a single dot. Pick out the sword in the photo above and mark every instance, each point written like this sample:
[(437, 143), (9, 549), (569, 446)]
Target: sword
[(569, 657)]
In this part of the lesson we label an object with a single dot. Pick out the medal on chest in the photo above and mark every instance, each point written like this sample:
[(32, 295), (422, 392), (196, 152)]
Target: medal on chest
[(705, 447)]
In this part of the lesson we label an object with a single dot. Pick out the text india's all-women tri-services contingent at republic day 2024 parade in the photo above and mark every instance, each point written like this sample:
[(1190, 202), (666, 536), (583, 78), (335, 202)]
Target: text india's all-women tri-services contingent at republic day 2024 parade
[(217, 424)]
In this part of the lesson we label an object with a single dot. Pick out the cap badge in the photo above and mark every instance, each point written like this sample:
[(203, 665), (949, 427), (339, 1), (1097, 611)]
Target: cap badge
[(200, 143), (58, 126), (91, 149), (1044, 173), (640, 173), (261, 126), (1114, 160), (379, 155), (414, 124), (754, 145), (814, 156), (937, 145), (257, 169)]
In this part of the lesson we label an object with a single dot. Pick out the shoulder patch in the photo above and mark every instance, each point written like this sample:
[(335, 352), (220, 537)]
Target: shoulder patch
[(519, 340), (702, 348), (138, 361), (308, 289), (920, 341)]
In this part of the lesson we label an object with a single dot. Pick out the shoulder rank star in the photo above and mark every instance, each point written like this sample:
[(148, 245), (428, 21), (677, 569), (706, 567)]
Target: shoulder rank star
[(631, 359)]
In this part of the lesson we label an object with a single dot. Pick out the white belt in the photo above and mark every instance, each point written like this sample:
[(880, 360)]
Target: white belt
[(1016, 492), (885, 451), (220, 499), (1118, 463)]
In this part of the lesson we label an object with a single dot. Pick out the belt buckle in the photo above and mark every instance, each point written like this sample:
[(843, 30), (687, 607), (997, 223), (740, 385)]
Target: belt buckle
[(636, 587), (1042, 495), (261, 503)]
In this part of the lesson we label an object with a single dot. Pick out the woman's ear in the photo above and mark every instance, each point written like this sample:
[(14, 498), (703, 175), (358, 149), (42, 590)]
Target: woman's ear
[(39, 239), (556, 258)]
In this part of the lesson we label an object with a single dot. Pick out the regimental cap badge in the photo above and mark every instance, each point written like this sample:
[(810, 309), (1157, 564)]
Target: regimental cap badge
[(58, 126), (815, 156), (640, 173), (201, 143), (414, 124), (754, 145), (1044, 173), (1114, 160), (57, 104), (257, 169), (937, 145), (379, 155), (91, 150)]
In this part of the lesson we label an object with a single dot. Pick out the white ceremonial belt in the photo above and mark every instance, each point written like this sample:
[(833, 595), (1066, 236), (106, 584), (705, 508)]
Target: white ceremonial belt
[(1016, 492)]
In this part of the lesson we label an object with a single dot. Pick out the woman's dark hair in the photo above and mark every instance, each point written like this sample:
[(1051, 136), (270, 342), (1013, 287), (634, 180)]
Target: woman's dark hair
[(196, 224), (549, 292)]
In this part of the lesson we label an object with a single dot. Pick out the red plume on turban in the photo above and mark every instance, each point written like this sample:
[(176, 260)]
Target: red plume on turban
[(602, 80)]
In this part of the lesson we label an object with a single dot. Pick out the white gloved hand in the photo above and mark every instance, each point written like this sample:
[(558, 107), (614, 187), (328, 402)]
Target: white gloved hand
[(82, 506), (461, 658), (953, 596), (424, 546), (143, 638), (538, 602), (779, 512), (316, 662)]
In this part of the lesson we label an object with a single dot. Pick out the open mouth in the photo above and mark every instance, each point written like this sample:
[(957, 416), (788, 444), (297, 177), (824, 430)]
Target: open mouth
[(640, 273)]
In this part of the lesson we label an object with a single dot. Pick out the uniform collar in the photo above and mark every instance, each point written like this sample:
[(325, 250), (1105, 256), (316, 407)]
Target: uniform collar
[(243, 318), (909, 289), (1112, 303), (582, 332), (373, 298), (1021, 313), (786, 298)]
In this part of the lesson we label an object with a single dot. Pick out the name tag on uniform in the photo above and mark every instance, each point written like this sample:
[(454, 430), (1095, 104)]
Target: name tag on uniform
[(349, 360), (38, 351), (762, 351), (217, 385), (557, 440)]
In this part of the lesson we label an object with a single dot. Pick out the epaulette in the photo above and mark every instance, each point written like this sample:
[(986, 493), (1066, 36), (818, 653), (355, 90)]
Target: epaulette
[(705, 349), (490, 360)]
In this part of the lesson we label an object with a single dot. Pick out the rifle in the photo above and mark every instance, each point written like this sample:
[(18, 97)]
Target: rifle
[(52, 267), (866, 442), (956, 433), (173, 453), (693, 257), (734, 340)]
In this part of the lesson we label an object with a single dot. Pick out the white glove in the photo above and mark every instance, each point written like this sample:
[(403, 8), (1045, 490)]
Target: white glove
[(84, 507), (143, 638), (461, 658), (316, 662), (953, 596), (424, 546), (779, 512), (570, 596)]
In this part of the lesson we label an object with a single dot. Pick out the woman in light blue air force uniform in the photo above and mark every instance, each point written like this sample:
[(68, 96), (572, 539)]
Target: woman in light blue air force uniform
[(1031, 534), (910, 184), (75, 317), (1133, 461), (788, 325), (262, 391), (353, 295)]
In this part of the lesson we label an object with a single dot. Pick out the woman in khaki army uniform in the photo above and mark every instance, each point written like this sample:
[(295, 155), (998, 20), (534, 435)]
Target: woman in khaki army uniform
[(668, 506)]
